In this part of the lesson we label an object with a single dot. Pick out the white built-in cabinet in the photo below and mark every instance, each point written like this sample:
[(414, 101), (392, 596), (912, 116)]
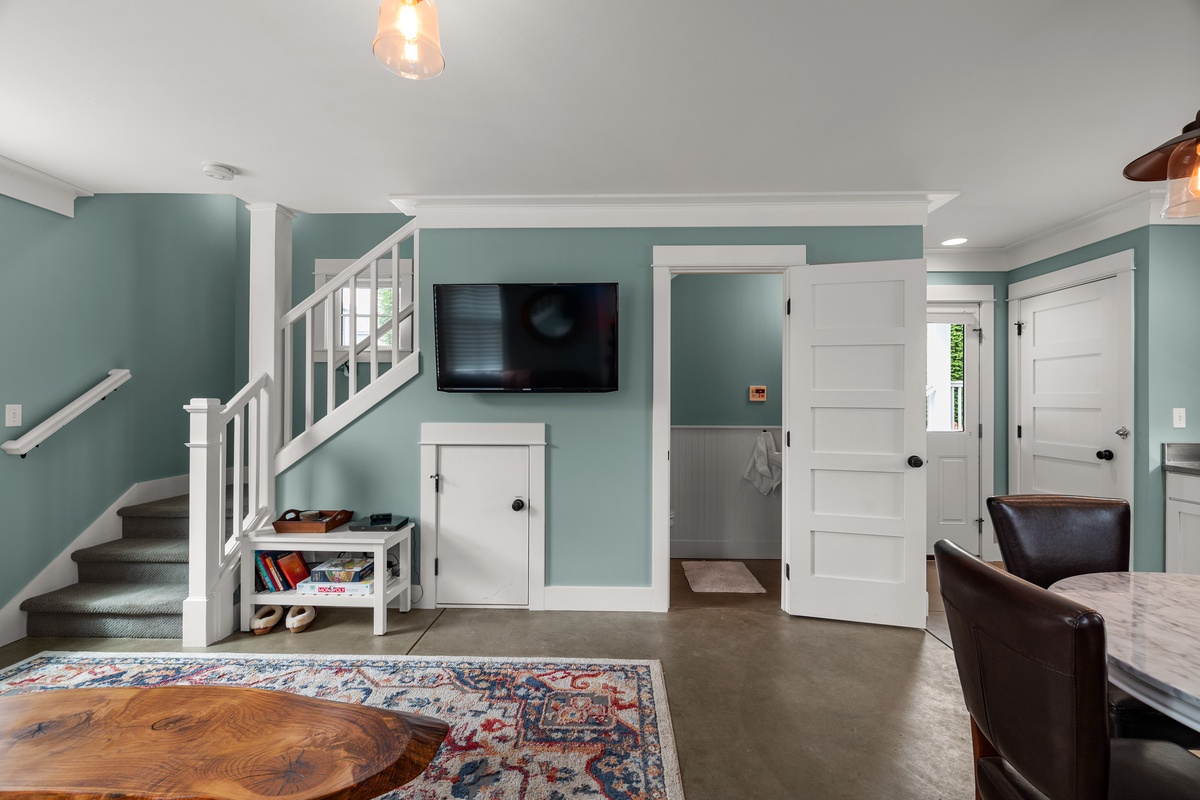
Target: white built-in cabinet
[(482, 535), (1183, 523)]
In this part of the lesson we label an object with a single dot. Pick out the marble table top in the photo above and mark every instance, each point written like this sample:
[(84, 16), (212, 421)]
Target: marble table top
[(1152, 621)]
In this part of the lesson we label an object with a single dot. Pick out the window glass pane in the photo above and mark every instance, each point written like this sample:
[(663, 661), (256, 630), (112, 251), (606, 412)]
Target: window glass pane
[(945, 401)]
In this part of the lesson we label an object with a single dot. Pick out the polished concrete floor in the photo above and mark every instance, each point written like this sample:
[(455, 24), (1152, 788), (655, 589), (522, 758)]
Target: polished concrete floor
[(764, 705)]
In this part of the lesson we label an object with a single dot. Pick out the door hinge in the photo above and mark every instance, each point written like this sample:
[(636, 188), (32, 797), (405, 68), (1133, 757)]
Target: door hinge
[(787, 309), (787, 571), (437, 483), (1020, 327), (1018, 431), (979, 332), (435, 566), (787, 439), (979, 522), (981, 430)]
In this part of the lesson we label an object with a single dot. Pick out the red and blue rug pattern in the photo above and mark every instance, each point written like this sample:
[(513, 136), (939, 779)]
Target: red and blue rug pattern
[(536, 729)]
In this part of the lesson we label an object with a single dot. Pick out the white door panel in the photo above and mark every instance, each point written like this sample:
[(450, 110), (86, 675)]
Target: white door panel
[(482, 543), (1072, 392), (855, 510)]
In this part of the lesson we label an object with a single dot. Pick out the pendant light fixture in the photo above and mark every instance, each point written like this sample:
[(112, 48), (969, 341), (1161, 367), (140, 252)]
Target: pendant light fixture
[(1178, 163), (407, 41)]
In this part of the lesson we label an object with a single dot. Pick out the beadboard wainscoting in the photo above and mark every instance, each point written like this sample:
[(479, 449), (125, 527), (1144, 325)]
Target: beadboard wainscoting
[(718, 513)]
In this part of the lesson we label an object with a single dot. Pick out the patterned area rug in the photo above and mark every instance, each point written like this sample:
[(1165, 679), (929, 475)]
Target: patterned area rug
[(721, 576), (541, 729)]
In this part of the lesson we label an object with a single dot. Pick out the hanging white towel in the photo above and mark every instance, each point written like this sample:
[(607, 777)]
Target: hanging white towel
[(765, 469)]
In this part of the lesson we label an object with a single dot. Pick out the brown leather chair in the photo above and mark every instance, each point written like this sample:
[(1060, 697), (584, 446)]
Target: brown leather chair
[(1045, 538), (1035, 679)]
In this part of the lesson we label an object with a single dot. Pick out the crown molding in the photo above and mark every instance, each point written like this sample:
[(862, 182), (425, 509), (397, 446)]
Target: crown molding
[(953, 259), (1137, 211), (673, 210), (273, 208), (38, 189)]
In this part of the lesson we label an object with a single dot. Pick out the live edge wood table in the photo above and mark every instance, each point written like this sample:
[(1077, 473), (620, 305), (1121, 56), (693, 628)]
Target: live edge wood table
[(197, 742)]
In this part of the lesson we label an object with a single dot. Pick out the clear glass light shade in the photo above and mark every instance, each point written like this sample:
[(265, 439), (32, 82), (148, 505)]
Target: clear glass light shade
[(407, 41), (1183, 181)]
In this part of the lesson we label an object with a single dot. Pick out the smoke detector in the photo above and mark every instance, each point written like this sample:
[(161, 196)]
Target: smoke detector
[(220, 172)]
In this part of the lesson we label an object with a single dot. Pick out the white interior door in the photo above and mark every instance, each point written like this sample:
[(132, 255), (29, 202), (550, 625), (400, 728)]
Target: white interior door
[(1074, 398), (855, 512), (952, 430), (482, 541)]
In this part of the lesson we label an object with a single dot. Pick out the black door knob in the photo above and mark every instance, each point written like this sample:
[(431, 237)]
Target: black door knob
[(518, 504), (1104, 455), (915, 461)]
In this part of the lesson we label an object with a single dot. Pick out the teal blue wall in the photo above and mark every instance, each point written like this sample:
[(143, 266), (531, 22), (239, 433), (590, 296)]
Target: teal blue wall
[(999, 336), (241, 293), (726, 335), (133, 281), (598, 460), (1147, 479)]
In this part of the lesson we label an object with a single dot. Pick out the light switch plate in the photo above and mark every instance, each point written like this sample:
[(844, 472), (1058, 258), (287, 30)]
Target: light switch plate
[(1179, 417), (12, 416)]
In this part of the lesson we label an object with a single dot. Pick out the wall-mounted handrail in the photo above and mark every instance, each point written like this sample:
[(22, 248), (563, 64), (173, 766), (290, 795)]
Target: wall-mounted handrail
[(39, 434)]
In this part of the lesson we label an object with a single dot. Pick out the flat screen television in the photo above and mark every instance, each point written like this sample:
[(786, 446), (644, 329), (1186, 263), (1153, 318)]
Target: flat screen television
[(525, 337)]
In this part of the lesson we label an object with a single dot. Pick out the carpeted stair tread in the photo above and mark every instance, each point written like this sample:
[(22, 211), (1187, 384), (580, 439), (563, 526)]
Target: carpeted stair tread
[(143, 550), (110, 598), (173, 507)]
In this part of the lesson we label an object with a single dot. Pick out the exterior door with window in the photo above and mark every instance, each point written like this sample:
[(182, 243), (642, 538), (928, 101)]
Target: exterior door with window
[(855, 377), (952, 427)]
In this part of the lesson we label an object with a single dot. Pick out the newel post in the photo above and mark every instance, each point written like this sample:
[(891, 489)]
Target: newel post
[(204, 610)]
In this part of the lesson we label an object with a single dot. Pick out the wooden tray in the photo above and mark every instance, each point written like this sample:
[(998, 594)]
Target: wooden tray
[(290, 522)]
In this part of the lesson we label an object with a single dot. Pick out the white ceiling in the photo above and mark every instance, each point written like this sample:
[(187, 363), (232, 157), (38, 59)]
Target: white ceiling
[(1028, 108)]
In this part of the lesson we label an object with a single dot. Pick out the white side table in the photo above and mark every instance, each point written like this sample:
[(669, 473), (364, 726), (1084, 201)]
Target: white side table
[(388, 588)]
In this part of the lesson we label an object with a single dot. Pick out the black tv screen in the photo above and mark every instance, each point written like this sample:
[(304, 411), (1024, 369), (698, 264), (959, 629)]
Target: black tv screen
[(525, 337)]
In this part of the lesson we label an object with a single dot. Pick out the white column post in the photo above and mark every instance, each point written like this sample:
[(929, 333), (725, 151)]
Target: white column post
[(270, 299), (206, 524)]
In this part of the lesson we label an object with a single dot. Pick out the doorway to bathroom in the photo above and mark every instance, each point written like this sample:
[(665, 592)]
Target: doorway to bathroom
[(726, 438)]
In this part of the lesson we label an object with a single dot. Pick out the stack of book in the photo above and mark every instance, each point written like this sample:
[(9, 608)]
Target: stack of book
[(279, 571), (346, 577)]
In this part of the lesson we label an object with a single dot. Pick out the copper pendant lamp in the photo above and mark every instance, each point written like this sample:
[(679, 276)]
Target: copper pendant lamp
[(1178, 163)]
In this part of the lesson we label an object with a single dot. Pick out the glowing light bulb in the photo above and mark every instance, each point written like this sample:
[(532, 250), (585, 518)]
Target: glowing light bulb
[(409, 24), (412, 51), (1194, 181)]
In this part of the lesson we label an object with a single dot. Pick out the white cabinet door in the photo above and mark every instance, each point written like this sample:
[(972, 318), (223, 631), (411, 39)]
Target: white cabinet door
[(482, 542), (1073, 393), (1183, 523), (855, 509)]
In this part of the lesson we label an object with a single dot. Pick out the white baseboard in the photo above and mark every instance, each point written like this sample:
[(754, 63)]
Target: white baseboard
[(698, 548), (62, 571), (599, 598)]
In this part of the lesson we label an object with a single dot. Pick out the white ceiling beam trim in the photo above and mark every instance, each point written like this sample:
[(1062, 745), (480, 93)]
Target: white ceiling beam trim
[(37, 188), (674, 211), (978, 260)]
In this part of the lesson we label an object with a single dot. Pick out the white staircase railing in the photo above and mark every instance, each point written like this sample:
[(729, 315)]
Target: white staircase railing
[(231, 463), (377, 357), (58, 420), (233, 445)]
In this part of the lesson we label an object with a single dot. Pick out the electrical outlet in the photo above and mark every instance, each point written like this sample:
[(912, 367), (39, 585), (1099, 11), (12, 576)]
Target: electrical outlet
[(12, 416), (1179, 417)]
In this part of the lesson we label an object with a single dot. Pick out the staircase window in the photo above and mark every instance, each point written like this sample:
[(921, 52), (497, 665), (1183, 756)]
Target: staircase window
[(328, 268)]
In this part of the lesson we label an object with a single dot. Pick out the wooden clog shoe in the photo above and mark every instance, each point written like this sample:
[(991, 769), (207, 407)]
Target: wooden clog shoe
[(265, 618), (299, 618)]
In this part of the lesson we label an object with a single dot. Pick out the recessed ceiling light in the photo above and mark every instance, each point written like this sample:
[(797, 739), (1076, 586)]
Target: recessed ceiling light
[(221, 172), (952, 242)]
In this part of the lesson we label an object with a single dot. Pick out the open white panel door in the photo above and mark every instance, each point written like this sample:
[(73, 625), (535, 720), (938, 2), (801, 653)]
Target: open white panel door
[(855, 516)]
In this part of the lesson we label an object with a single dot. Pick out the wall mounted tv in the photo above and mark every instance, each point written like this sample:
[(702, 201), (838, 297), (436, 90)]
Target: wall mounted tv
[(525, 337)]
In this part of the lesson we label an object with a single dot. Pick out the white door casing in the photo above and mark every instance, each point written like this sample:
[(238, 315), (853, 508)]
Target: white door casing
[(1073, 383), (855, 375), (438, 437), (952, 484)]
